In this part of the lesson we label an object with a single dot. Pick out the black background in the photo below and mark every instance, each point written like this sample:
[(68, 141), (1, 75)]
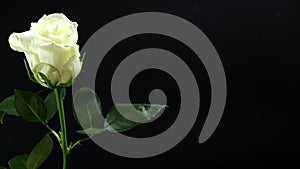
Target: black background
[(258, 42)]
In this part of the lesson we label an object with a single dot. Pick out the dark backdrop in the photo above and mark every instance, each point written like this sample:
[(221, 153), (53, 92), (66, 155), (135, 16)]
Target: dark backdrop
[(257, 41)]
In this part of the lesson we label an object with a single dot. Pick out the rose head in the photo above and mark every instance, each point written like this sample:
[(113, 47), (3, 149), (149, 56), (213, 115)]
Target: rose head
[(50, 48)]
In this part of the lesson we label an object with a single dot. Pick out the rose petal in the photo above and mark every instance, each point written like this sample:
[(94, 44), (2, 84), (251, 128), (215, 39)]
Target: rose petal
[(51, 73), (21, 41), (71, 69), (54, 54)]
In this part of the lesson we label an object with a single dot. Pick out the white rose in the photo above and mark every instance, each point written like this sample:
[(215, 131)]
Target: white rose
[(50, 48)]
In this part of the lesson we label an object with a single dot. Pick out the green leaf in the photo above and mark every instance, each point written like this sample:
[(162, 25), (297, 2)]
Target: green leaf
[(30, 106), (91, 131), (51, 106), (18, 162), (1, 167), (8, 106), (40, 153), (116, 122), (88, 109)]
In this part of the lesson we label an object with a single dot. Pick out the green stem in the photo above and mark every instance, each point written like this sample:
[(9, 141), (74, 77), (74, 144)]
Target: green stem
[(79, 142), (64, 142), (52, 131)]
